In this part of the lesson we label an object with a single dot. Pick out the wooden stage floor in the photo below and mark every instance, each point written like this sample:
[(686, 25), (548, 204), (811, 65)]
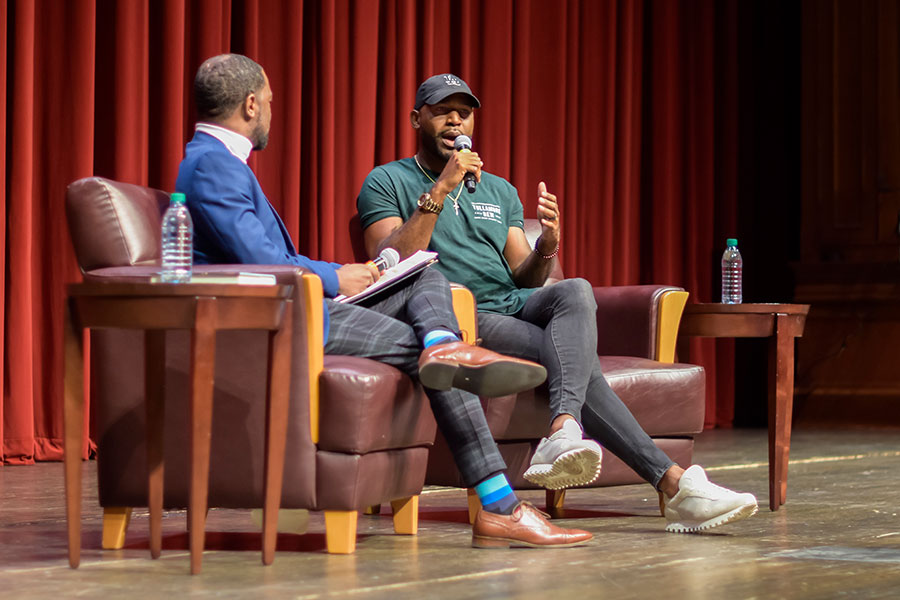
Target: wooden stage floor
[(837, 536)]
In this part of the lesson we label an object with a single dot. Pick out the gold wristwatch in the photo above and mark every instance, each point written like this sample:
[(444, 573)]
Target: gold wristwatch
[(428, 205)]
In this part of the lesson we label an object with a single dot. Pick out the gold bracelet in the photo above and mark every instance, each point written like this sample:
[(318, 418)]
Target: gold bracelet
[(545, 256)]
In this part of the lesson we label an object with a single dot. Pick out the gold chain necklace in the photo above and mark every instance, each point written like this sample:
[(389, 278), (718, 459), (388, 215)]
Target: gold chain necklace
[(454, 200)]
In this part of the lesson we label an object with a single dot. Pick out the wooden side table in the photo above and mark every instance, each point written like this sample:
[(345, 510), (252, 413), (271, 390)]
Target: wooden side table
[(203, 309), (782, 323)]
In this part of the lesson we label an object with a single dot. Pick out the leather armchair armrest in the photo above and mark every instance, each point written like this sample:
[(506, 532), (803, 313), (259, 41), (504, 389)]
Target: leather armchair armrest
[(310, 342), (639, 320)]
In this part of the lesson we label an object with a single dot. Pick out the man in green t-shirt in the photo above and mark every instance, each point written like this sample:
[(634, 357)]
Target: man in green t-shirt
[(419, 202)]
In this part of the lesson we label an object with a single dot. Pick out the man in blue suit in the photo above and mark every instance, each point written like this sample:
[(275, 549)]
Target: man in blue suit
[(413, 328)]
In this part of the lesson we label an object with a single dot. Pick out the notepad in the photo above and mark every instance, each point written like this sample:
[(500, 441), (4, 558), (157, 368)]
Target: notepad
[(391, 277)]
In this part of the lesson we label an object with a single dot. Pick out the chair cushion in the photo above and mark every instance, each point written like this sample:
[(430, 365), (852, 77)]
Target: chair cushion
[(367, 406), (666, 399), (351, 481)]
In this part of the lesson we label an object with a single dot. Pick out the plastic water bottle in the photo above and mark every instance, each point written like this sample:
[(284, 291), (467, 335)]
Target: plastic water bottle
[(732, 270), (177, 241)]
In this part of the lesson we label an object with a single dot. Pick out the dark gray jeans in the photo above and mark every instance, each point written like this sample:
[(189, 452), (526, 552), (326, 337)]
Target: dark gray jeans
[(557, 327)]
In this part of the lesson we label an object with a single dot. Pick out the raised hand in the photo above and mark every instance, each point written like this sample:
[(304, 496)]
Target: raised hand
[(548, 214)]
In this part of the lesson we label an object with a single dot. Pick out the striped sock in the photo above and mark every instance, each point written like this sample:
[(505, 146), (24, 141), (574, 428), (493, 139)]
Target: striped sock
[(496, 496), (439, 336)]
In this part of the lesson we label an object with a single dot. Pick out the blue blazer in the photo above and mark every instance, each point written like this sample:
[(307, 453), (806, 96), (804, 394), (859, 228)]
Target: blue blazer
[(233, 220)]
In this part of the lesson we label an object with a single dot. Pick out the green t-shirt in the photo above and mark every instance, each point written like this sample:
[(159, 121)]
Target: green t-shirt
[(469, 244)]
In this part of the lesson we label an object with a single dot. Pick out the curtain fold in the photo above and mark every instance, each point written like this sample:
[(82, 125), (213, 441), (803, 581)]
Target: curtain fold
[(626, 108), (4, 16), (19, 414)]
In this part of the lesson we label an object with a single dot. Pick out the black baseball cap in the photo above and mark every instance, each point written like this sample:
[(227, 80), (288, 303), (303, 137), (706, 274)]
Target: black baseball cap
[(436, 88)]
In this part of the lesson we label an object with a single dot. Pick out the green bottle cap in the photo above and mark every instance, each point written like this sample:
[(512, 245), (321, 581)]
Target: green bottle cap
[(731, 242), (178, 198)]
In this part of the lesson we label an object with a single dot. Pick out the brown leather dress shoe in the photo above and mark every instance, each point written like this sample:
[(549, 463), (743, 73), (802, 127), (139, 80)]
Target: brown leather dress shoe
[(526, 526), (477, 370)]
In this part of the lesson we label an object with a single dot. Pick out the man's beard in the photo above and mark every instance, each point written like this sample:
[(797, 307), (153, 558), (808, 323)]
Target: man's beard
[(434, 146), (260, 137)]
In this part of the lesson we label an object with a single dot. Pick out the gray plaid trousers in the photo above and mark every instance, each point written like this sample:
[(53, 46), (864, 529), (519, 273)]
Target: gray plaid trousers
[(390, 331)]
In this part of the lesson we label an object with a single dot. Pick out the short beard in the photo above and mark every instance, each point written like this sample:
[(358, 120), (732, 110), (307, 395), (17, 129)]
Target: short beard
[(433, 147), (260, 138)]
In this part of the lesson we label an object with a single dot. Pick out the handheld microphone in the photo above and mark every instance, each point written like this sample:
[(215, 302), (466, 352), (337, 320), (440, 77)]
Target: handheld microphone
[(463, 143), (385, 260)]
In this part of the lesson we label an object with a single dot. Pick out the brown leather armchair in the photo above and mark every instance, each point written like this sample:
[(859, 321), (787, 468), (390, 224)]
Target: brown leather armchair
[(637, 327), (358, 432)]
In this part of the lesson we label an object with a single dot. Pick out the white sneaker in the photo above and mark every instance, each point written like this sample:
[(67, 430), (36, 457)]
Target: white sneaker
[(565, 459), (700, 504)]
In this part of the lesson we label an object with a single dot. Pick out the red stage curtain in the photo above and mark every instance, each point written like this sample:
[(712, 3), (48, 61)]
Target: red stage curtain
[(626, 109)]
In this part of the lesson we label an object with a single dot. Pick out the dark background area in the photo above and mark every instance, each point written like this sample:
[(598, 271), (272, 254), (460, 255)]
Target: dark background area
[(769, 164)]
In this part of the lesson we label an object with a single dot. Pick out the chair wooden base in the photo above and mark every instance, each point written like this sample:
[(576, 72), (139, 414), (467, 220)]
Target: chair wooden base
[(340, 531), (115, 524), (406, 515), (474, 504), (340, 526), (554, 499)]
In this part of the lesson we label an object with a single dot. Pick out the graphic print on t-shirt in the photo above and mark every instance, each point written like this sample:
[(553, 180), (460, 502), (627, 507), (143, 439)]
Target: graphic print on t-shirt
[(487, 212)]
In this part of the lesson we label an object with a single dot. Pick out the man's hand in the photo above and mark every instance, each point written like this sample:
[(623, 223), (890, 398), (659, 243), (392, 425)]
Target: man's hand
[(355, 277), (548, 214), (455, 169)]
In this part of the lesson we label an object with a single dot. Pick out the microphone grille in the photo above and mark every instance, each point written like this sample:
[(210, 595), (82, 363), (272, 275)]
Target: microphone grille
[(391, 257), (462, 142)]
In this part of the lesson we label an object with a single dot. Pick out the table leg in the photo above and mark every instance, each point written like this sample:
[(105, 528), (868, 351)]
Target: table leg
[(73, 423), (154, 405), (793, 327), (203, 360), (278, 384), (781, 400)]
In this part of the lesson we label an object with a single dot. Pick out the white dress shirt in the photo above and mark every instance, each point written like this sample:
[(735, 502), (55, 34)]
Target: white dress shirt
[(237, 144)]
